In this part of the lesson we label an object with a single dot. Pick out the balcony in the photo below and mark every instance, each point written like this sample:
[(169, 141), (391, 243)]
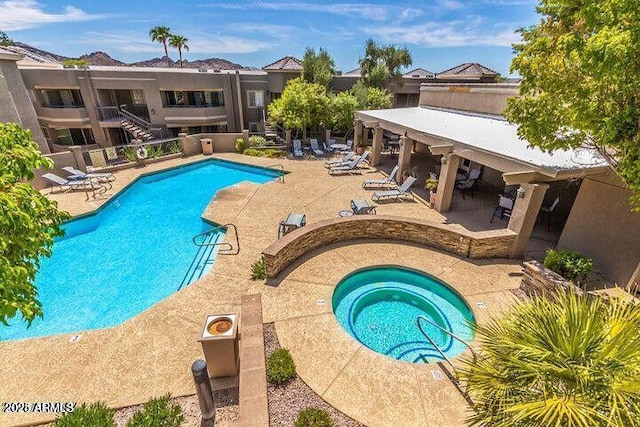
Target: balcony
[(64, 116)]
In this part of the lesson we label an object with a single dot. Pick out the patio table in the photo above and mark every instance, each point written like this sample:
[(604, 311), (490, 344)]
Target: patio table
[(291, 222), (362, 207)]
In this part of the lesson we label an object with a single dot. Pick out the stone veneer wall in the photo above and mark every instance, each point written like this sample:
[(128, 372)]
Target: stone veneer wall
[(538, 279), (486, 244)]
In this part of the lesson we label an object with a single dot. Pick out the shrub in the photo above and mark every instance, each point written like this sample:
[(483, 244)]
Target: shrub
[(154, 151), (273, 153), (257, 140), (174, 147), (259, 270), (280, 366), (158, 412), (94, 415), (313, 417), (240, 145), (130, 154), (254, 152), (569, 264)]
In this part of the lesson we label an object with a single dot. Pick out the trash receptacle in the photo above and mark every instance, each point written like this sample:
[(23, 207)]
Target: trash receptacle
[(219, 339), (207, 145)]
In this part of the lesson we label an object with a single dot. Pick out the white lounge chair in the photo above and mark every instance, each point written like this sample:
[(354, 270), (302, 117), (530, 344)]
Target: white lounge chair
[(389, 181), (100, 176), (399, 192), (297, 148), (340, 162), (328, 146), (71, 185), (315, 148), (352, 167)]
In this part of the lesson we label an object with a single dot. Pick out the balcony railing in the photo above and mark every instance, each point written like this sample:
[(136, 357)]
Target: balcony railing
[(121, 155)]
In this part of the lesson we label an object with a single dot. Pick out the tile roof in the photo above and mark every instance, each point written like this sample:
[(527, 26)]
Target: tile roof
[(469, 69), (355, 72), (288, 63), (419, 72)]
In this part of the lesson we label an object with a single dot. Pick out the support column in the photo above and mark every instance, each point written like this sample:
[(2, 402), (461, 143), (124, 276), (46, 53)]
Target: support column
[(287, 136), (245, 136), (447, 181), (376, 156), (327, 135), (524, 214), (404, 158), (79, 158), (357, 131)]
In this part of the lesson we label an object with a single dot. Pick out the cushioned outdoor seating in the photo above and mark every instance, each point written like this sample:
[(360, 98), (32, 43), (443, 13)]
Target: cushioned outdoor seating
[(297, 148), (340, 162), (389, 181), (71, 185), (314, 147), (398, 193), (351, 167)]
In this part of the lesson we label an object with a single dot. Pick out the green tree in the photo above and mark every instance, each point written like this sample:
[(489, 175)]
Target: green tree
[(343, 108), (302, 105), (561, 360), (382, 64), (29, 222), (371, 98), (75, 61), (179, 42), (161, 34), (318, 68), (581, 76), (5, 40)]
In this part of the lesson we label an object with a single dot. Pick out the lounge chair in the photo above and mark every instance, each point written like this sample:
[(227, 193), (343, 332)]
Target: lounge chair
[(297, 148), (399, 192), (71, 185), (328, 146), (314, 147), (470, 183), (362, 207), (340, 162), (101, 177), (352, 167), (389, 181)]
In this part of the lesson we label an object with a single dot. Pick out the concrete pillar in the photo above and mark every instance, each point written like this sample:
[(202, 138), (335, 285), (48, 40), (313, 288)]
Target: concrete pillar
[(404, 158), (357, 132), (287, 136), (524, 214), (245, 136), (376, 156), (183, 143), (79, 158), (327, 135), (447, 181)]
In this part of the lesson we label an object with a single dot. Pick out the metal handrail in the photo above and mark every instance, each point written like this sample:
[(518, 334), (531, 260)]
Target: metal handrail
[(230, 246), (281, 166), (446, 331), (444, 356)]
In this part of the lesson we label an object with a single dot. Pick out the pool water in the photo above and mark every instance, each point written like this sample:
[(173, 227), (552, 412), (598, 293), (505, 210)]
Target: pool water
[(379, 306), (132, 253)]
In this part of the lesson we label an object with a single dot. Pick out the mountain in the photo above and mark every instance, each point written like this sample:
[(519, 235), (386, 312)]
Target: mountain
[(103, 59)]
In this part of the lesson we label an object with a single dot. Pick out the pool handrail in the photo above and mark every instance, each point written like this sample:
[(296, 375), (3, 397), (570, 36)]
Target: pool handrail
[(444, 356), (229, 245), (446, 331), (281, 176)]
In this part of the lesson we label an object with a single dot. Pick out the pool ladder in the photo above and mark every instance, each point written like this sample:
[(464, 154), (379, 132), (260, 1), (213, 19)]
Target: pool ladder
[(207, 241), (280, 166)]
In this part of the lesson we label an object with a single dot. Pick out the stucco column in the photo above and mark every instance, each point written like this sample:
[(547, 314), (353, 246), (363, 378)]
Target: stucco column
[(524, 214), (357, 131), (183, 143), (287, 136), (404, 158), (447, 181), (79, 158), (327, 135), (376, 156), (245, 135)]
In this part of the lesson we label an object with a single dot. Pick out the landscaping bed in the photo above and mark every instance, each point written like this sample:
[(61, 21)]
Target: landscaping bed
[(286, 401)]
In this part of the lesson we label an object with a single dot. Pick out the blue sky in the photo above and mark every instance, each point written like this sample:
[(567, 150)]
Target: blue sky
[(439, 33)]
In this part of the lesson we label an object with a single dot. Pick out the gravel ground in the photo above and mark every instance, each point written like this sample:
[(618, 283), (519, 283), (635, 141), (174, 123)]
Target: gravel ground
[(286, 401)]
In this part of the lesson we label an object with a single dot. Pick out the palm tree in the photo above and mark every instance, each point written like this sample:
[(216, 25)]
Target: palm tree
[(161, 34), (179, 42), (561, 360)]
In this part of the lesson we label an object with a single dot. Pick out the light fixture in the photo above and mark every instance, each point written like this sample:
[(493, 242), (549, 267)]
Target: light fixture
[(443, 160), (521, 192)]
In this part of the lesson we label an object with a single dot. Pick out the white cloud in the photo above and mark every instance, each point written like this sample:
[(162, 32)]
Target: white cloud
[(444, 34), (369, 11), (23, 14)]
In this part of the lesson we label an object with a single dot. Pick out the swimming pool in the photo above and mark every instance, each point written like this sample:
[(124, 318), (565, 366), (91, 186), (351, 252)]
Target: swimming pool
[(378, 306), (132, 253)]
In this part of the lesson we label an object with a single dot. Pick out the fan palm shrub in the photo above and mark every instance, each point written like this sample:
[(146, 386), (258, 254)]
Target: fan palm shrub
[(558, 360)]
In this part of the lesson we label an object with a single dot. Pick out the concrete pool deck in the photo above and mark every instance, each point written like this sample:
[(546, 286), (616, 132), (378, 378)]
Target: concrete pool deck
[(151, 354)]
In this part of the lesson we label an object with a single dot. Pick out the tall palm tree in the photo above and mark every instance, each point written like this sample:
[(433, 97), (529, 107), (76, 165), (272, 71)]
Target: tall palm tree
[(561, 360), (161, 34), (179, 42)]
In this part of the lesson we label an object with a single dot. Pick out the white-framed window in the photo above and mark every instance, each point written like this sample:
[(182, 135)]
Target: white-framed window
[(255, 98), (137, 97)]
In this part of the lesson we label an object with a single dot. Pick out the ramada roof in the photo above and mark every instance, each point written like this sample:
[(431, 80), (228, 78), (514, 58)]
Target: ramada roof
[(468, 69), (356, 72), (288, 63), (488, 134), (419, 72)]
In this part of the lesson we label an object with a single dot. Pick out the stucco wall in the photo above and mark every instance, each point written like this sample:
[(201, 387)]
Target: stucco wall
[(486, 98), (602, 226), (488, 244), (222, 142)]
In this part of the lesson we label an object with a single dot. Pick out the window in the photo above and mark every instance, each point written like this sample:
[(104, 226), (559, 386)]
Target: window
[(137, 97), (253, 127), (74, 137), (178, 98), (63, 98), (255, 98)]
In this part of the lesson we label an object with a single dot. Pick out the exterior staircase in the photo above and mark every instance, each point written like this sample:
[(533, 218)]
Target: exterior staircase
[(136, 130)]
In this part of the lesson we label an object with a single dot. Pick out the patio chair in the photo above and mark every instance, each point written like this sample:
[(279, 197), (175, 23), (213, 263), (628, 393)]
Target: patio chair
[(548, 210), (505, 206), (470, 183), (101, 177), (327, 147), (314, 147), (362, 207), (340, 162), (292, 222), (398, 193), (349, 144), (297, 148), (71, 185), (352, 167), (389, 181)]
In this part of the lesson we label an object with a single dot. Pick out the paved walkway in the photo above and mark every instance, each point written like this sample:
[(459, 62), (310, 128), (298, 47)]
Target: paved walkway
[(151, 354)]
